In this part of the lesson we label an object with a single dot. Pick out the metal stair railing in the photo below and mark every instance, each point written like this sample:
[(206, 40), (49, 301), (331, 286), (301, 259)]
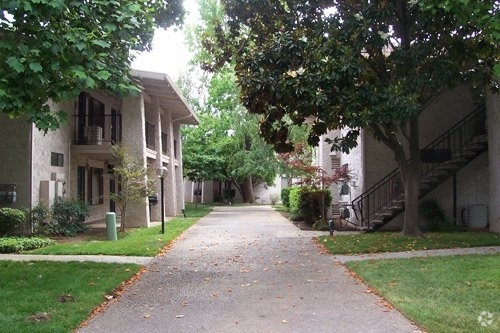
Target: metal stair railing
[(446, 154)]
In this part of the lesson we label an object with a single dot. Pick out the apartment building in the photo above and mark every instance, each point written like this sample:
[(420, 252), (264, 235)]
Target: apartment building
[(76, 160), (460, 150)]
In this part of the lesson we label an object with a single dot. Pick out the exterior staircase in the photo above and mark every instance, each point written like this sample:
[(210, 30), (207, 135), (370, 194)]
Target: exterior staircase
[(440, 160)]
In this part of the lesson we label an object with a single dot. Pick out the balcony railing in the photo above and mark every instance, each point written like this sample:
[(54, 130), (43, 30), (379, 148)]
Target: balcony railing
[(91, 131)]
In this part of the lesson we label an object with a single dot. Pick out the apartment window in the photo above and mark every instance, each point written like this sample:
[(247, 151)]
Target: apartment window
[(95, 186), (164, 142), (90, 185), (96, 113), (56, 159), (80, 186), (150, 135), (116, 126), (335, 162)]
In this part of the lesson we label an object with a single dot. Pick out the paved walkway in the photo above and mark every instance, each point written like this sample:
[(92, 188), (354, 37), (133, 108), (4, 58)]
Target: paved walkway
[(247, 269)]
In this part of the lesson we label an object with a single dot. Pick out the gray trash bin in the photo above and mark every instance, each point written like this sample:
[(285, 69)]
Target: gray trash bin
[(111, 226)]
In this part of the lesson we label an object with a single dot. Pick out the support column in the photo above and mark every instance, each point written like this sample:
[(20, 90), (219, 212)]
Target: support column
[(134, 139), (156, 210), (493, 114)]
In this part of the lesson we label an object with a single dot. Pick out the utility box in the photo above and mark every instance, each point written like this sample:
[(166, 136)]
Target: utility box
[(476, 216)]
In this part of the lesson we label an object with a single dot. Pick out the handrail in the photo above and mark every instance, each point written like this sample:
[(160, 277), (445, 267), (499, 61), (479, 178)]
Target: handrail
[(448, 146)]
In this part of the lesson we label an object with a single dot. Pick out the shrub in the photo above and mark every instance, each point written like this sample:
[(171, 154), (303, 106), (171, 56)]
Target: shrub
[(294, 203), (68, 217), (39, 216), (285, 196), (274, 198), (19, 244), (434, 216), (311, 203), (10, 219)]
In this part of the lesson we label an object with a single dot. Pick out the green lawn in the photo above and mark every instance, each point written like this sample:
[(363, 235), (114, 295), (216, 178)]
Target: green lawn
[(54, 296), (135, 242), (393, 241), (441, 294), (58, 296)]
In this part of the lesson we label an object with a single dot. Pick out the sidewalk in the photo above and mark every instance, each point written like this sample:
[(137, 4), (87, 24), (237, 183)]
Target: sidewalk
[(81, 258), (247, 269), (421, 253)]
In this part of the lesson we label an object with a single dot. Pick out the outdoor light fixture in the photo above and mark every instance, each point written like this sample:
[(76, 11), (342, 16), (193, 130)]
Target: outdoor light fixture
[(162, 172)]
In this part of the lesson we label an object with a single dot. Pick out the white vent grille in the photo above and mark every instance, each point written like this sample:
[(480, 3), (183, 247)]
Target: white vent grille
[(476, 216), (335, 162)]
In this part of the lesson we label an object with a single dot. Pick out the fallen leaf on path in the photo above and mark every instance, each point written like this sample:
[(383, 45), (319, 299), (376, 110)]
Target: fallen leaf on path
[(147, 315), (179, 316)]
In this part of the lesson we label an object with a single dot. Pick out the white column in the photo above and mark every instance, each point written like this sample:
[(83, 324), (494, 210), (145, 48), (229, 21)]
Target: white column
[(134, 139), (493, 115)]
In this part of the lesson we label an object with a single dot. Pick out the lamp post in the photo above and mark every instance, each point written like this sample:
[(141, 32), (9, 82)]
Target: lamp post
[(161, 172)]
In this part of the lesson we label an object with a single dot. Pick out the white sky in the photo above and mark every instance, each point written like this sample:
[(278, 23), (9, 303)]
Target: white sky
[(169, 54)]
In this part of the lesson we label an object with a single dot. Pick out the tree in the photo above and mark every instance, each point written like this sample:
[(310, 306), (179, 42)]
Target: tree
[(372, 65), (132, 177), (226, 145), (52, 50)]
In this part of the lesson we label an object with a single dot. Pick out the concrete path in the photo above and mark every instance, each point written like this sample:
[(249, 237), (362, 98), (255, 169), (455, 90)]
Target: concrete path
[(79, 258), (247, 269), (421, 253)]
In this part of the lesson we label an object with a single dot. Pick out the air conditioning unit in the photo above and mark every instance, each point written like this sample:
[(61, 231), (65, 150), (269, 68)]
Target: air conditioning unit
[(476, 216), (94, 135)]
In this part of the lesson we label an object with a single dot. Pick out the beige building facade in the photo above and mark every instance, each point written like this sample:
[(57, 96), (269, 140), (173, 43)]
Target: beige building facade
[(461, 173), (76, 161)]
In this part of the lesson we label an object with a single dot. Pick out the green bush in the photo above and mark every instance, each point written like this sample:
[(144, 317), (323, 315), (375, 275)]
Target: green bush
[(311, 203), (10, 219), (19, 244), (285, 197), (434, 216), (39, 218), (294, 203), (68, 217)]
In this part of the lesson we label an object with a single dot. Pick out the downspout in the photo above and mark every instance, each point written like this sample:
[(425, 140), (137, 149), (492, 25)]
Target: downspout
[(31, 174)]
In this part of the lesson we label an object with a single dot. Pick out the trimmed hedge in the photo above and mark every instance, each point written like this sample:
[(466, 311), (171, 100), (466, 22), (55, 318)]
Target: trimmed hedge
[(10, 219), (285, 197), (306, 203), (19, 244)]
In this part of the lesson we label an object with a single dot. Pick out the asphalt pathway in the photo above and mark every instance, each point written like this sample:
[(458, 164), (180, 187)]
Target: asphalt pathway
[(247, 269)]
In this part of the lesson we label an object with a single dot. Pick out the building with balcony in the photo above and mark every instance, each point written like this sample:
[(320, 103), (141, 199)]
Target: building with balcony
[(76, 160)]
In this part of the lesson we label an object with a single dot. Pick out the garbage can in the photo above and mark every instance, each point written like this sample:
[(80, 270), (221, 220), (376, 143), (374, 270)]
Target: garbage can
[(111, 226)]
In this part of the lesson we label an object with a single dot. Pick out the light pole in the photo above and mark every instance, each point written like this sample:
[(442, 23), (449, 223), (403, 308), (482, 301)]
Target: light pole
[(161, 172)]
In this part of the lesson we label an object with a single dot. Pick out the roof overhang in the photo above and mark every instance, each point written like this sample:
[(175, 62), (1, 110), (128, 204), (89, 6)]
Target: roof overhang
[(160, 87)]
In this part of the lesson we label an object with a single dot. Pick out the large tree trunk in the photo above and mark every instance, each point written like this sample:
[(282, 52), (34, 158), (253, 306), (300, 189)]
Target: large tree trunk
[(410, 183), (410, 174), (247, 190)]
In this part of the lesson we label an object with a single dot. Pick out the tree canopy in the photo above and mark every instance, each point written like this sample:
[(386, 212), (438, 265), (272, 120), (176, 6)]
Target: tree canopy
[(226, 145), (373, 65), (50, 50)]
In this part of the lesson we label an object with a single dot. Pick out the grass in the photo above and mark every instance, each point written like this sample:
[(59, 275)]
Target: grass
[(30, 292), (394, 242), (441, 294), (135, 242)]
